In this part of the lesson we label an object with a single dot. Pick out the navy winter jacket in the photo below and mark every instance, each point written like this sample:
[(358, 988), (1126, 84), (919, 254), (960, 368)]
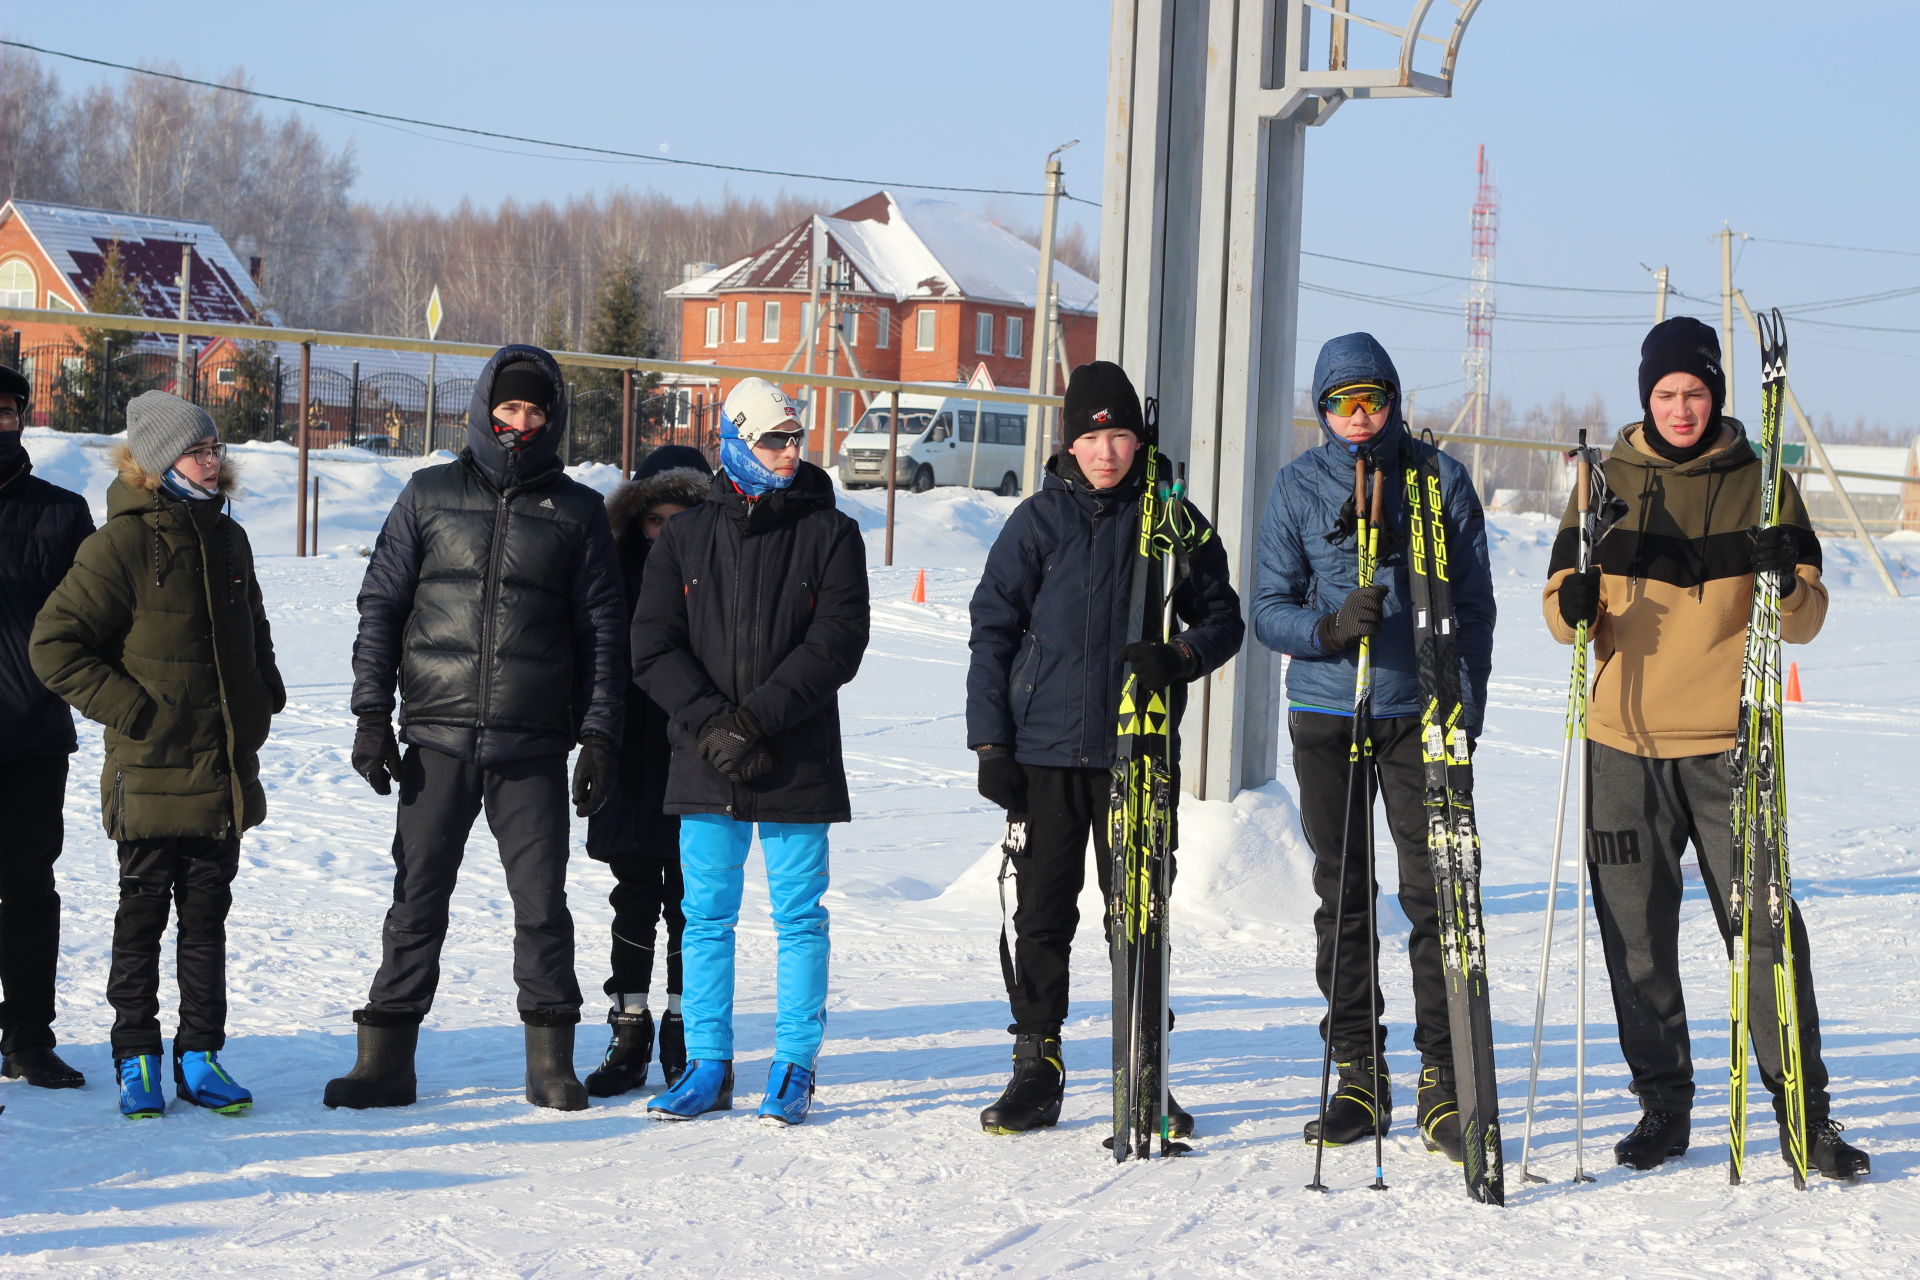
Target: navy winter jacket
[(759, 605), (493, 597), (1305, 568), (41, 526), (1050, 620)]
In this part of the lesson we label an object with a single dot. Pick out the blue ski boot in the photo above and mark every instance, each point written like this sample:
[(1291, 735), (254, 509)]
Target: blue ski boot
[(702, 1087), (789, 1095), (140, 1096), (199, 1078)]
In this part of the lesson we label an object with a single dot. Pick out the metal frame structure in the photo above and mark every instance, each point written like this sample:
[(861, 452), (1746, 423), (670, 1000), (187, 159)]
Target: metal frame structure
[(1208, 103)]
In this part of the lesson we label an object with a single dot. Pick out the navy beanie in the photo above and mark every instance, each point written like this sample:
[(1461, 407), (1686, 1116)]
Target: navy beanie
[(1682, 345)]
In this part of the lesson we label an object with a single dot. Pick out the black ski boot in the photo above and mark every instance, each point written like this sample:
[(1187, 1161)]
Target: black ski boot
[(1438, 1108), (1179, 1123), (673, 1046), (1352, 1112), (625, 1066), (382, 1074), (550, 1078), (41, 1068), (1032, 1098), (1658, 1135), (1829, 1154)]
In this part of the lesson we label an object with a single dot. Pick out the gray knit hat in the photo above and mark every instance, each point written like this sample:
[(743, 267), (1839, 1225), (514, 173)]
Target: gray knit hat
[(161, 426)]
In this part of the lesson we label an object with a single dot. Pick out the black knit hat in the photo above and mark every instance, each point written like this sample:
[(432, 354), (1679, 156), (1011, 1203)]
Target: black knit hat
[(522, 380), (1101, 397), (14, 383), (1682, 345)]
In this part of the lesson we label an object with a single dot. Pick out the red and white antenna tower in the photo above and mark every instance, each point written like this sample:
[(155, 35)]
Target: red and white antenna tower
[(1480, 309)]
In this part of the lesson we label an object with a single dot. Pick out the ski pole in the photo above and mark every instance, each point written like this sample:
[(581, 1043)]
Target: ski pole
[(1363, 718), (1364, 574)]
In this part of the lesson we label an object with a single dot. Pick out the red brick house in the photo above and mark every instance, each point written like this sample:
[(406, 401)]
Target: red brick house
[(51, 256), (930, 290)]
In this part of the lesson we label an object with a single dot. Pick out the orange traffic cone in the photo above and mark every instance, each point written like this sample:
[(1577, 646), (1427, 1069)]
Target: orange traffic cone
[(920, 597), (1793, 683)]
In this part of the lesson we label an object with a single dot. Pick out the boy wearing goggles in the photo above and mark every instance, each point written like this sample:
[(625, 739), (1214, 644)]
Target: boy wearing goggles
[(1308, 603)]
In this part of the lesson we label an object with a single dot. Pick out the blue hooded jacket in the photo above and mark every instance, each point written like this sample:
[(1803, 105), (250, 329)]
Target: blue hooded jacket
[(1304, 569)]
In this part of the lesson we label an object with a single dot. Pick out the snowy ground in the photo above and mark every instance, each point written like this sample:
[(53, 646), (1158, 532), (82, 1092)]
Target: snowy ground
[(892, 1177)]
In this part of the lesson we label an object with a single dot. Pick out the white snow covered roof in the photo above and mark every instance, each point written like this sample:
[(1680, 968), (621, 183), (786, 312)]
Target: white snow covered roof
[(902, 250), (76, 240)]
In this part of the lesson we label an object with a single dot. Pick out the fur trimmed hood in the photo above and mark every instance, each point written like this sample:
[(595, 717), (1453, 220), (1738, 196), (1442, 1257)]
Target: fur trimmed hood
[(138, 477), (682, 486)]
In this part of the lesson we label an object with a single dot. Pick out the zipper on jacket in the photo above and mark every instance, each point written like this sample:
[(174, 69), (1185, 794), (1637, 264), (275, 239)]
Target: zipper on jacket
[(740, 565), (1086, 635), (494, 565), (119, 802)]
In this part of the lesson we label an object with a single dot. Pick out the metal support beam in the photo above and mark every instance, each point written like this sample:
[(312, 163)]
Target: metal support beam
[(1207, 111)]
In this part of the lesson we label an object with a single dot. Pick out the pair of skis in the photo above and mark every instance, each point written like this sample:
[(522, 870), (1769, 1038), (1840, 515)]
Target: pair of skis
[(1760, 808), (1453, 840), (1140, 831)]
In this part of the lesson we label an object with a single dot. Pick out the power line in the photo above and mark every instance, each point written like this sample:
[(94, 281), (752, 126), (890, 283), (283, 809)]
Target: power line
[(1446, 275), (633, 156), (1838, 248)]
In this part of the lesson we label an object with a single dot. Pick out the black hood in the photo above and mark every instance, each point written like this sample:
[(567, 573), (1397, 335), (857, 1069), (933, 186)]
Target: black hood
[(542, 454)]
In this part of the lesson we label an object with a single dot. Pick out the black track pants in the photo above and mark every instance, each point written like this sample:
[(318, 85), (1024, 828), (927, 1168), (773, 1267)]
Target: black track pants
[(1645, 814), (526, 807), (646, 890), (194, 876), (31, 794), (1064, 806), (1321, 747)]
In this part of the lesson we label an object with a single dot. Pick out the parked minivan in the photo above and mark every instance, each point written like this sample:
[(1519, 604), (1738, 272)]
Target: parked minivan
[(943, 440)]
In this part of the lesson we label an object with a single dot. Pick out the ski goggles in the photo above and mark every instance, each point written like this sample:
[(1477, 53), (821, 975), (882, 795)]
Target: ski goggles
[(1365, 397)]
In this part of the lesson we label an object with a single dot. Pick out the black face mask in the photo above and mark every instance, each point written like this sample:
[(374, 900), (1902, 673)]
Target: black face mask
[(10, 448), (514, 439)]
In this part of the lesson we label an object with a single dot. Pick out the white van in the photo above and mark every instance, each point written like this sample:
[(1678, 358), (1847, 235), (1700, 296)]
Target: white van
[(943, 440)]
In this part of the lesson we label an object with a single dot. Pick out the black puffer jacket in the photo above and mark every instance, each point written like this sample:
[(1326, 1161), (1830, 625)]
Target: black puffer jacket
[(493, 596), (634, 818), (761, 605), (41, 526), (1050, 620)]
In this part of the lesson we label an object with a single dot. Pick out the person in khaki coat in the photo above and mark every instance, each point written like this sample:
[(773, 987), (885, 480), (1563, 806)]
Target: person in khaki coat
[(1667, 599), (159, 633)]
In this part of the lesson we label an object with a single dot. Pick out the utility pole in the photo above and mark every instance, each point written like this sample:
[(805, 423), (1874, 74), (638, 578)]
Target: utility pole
[(816, 250), (1725, 237), (833, 362), (1480, 310), (180, 350), (1039, 366)]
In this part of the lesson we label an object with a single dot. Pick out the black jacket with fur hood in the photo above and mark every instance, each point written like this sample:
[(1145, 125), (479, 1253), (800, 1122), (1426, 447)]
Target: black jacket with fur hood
[(633, 822), (158, 632)]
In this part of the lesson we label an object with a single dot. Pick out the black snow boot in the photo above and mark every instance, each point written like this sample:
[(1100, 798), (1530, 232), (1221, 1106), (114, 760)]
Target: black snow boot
[(1353, 1112), (550, 1078), (1438, 1108), (1032, 1098), (1658, 1135), (673, 1046), (1829, 1154), (41, 1068), (1179, 1123), (625, 1066), (382, 1074)]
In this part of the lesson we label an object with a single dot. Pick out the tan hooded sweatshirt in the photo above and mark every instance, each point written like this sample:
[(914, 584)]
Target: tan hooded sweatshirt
[(1676, 585)]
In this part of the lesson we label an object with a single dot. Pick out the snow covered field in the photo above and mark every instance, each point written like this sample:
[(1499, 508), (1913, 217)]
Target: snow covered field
[(892, 1176)]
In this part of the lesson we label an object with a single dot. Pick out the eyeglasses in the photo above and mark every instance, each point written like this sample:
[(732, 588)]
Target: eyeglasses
[(10, 415), (778, 440), (1344, 404), (207, 453)]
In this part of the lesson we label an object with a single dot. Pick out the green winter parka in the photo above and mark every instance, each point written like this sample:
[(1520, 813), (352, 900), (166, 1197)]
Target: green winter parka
[(158, 632)]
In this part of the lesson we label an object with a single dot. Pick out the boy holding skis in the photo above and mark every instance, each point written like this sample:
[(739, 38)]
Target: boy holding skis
[(752, 614), (158, 632), (1309, 604), (1667, 598), (1049, 657)]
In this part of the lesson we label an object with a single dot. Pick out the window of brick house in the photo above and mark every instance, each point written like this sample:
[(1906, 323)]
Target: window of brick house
[(882, 328), (17, 285), (1016, 334), (770, 322), (740, 322), (983, 334), (713, 326), (923, 324)]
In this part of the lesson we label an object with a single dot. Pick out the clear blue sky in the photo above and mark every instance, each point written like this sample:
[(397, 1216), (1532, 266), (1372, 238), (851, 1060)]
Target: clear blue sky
[(1621, 132)]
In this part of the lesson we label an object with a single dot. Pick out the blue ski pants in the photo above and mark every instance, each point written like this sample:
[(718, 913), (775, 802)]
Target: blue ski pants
[(713, 858)]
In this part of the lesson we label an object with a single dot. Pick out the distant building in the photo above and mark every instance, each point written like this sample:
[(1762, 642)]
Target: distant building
[(930, 291), (1880, 503)]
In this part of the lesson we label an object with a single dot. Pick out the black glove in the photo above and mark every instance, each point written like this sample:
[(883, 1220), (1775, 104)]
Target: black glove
[(1161, 666), (1002, 780), (376, 755), (732, 743), (1579, 597), (594, 774), (1359, 615), (1776, 550)]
